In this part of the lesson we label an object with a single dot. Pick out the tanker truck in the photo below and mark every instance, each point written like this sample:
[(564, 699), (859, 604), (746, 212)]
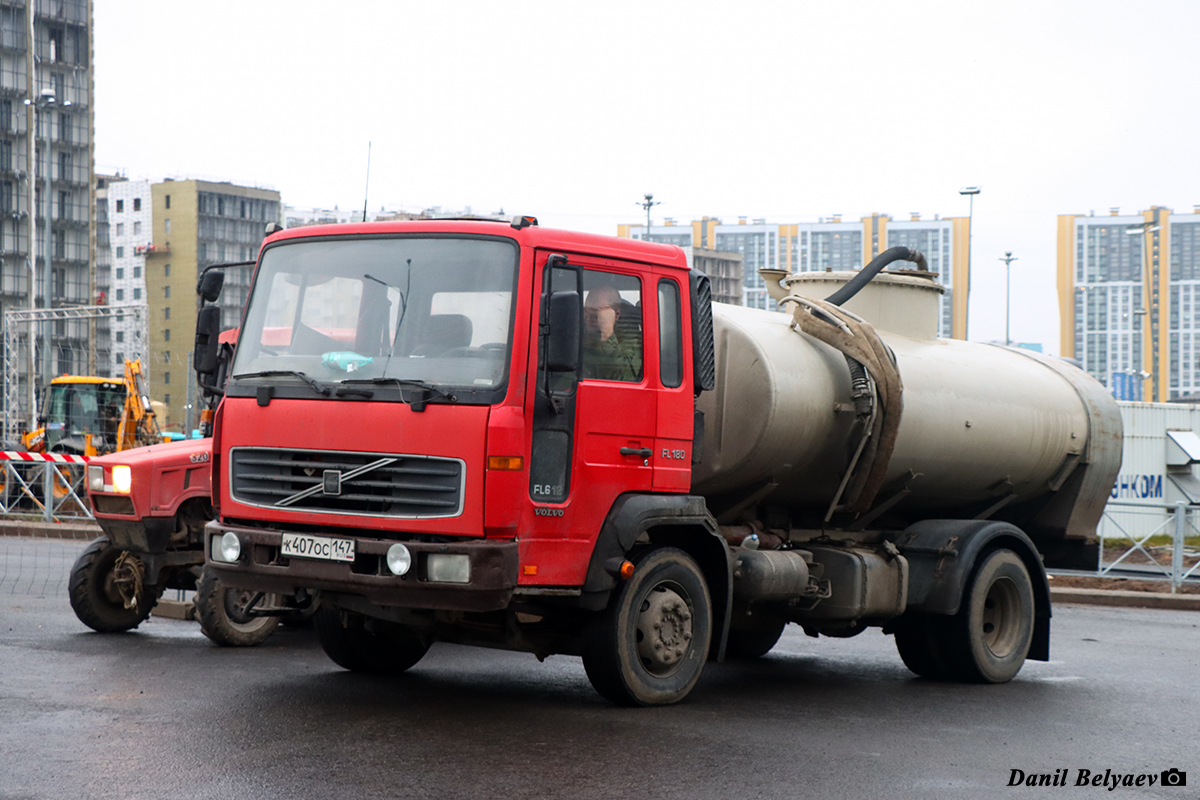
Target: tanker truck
[(496, 434)]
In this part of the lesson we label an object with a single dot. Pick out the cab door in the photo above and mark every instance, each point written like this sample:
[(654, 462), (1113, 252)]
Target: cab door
[(594, 430)]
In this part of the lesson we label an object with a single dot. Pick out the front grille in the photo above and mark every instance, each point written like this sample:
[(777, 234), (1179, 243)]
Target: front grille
[(335, 482)]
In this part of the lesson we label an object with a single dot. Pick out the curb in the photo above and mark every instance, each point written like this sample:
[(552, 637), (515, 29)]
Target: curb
[(85, 531), (174, 609), (1125, 599)]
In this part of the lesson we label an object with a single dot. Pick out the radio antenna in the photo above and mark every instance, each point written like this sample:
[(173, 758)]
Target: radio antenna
[(368, 186)]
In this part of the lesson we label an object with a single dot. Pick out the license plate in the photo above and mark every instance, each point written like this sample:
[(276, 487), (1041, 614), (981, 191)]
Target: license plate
[(304, 546)]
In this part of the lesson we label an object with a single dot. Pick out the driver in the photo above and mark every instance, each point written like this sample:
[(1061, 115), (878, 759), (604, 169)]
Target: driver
[(605, 355)]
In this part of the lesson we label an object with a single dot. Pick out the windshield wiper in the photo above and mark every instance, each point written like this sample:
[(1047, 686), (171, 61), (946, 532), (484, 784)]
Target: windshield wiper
[(318, 387), (418, 402)]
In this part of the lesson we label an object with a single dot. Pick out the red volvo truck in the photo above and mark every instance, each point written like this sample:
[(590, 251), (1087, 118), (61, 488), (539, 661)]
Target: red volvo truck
[(497, 434)]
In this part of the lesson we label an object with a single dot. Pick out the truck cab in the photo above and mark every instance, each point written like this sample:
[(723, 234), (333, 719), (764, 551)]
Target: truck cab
[(442, 415)]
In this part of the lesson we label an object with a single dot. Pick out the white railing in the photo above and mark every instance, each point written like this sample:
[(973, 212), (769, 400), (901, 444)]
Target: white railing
[(51, 490), (1137, 523)]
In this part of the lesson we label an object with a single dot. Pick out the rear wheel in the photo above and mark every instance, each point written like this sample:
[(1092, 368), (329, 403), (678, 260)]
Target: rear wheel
[(988, 639), (921, 641), (364, 644), (222, 614), (107, 588), (649, 646), (756, 641), (994, 627)]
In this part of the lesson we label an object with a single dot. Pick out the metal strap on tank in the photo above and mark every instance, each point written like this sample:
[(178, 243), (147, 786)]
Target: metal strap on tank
[(855, 338)]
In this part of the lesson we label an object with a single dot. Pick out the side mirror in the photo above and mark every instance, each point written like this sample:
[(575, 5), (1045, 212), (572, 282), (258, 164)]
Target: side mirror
[(209, 286), (565, 318), (208, 332)]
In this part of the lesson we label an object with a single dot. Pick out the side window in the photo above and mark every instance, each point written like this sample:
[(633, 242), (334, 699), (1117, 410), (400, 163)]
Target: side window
[(670, 334), (612, 327)]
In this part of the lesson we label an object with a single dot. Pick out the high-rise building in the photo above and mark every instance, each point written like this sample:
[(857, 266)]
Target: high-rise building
[(724, 271), (196, 224), (131, 239), (830, 244), (1129, 300), (46, 165)]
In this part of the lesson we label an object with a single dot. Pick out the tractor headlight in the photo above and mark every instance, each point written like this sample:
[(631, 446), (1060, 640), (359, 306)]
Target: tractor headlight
[(122, 479), (95, 478)]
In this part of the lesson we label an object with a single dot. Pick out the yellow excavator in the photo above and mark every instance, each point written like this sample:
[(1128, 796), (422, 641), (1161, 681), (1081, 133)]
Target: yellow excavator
[(84, 415), (88, 416)]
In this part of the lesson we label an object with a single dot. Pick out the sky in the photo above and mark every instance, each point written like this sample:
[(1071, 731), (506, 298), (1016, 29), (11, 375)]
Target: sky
[(571, 112)]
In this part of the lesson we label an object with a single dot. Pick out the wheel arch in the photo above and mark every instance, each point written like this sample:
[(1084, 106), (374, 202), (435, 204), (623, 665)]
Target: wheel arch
[(943, 556), (681, 521)]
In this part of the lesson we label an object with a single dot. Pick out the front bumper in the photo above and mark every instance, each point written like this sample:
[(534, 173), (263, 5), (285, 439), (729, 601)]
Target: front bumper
[(262, 567)]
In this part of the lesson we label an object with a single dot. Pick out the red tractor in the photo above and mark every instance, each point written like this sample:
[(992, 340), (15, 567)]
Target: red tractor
[(153, 503)]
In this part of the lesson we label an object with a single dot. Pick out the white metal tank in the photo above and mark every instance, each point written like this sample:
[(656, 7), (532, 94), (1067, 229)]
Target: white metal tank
[(980, 423)]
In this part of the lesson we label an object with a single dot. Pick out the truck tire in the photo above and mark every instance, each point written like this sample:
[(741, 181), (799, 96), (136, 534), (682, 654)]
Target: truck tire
[(649, 646), (95, 588), (362, 644), (221, 612), (755, 642), (921, 642), (991, 634)]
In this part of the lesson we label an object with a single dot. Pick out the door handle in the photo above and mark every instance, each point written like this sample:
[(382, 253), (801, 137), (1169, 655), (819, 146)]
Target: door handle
[(643, 452)]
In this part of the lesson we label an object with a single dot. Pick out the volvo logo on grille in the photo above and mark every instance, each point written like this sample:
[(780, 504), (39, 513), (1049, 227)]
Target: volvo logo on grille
[(333, 482)]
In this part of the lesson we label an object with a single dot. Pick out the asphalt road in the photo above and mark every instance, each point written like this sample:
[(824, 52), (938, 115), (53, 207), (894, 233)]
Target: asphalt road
[(161, 713)]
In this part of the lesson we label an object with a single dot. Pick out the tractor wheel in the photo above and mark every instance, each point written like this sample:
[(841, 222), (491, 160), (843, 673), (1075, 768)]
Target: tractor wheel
[(107, 588), (222, 614), (649, 646), (365, 644)]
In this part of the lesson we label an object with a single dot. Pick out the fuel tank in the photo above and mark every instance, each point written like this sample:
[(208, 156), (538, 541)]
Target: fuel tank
[(980, 423)]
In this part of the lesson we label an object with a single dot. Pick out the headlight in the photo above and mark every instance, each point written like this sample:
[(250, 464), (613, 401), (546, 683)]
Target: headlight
[(227, 548), (448, 568), (122, 479), (95, 478), (399, 560)]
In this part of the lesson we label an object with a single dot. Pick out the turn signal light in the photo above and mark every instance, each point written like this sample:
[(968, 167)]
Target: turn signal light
[(506, 462), (626, 571)]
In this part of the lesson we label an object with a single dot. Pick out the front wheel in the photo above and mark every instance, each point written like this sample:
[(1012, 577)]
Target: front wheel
[(365, 644), (107, 588), (649, 646), (222, 614)]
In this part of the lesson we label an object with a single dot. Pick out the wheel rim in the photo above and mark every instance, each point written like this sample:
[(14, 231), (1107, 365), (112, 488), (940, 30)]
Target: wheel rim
[(1001, 623), (664, 629), (236, 603), (123, 583)]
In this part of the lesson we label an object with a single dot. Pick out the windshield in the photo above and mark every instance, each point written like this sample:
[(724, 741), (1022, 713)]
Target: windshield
[(432, 309), (77, 409)]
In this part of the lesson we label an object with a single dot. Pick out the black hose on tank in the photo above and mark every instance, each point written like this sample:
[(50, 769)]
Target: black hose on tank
[(860, 389), (876, 266)]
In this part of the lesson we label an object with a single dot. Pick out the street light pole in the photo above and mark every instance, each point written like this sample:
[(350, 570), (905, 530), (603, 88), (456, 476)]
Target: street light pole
[(1008, 258), (970, 191), (648, 204)]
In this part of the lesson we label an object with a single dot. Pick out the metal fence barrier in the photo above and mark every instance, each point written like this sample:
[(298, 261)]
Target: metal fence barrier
[(50, 489), (1138, 522), (38, 567)]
